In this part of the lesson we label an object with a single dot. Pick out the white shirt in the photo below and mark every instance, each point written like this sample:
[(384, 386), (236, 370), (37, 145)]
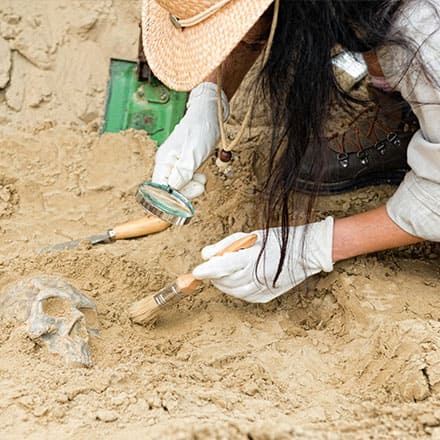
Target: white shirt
[(415, 206)]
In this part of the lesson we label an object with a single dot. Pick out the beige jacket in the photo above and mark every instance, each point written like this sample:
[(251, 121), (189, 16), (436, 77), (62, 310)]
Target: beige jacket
[(415, 206)]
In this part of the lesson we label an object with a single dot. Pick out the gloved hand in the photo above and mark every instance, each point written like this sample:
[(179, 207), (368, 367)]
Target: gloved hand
[(191, 142), (309, 251)]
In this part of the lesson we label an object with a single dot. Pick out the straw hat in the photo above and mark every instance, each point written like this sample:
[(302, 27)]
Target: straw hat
[(185, 40)]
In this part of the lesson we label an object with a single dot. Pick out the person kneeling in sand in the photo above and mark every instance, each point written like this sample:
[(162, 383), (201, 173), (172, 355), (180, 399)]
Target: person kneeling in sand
[(187, 42)]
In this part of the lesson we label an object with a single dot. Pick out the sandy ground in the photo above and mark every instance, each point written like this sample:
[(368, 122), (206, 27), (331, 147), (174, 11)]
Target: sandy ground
[(355, 356)]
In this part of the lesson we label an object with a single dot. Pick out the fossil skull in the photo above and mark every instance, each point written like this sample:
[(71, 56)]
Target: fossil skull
[(56, 314)]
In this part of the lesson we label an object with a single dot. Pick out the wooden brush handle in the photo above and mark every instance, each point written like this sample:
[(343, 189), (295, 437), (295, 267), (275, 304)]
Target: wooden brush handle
[(242, 243), (137, 228), (188, 284)]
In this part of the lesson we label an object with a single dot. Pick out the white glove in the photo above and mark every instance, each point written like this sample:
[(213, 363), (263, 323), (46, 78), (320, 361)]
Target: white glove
[(309, 251), (191, 142)]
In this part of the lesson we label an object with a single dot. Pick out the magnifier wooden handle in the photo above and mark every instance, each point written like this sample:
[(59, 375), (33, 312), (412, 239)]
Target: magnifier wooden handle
[(188, 284), (140, 227)]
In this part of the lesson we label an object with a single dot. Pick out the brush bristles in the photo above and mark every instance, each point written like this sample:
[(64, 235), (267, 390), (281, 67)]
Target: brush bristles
[(147, 308), (144, 310)]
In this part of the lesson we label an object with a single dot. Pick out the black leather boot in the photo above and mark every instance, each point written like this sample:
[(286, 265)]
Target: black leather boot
[(371, 151)]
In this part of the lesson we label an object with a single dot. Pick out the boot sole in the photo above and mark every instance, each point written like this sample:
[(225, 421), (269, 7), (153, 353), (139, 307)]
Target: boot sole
[(325, 189)]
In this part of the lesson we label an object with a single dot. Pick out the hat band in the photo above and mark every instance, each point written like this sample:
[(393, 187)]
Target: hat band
[(196, 19)]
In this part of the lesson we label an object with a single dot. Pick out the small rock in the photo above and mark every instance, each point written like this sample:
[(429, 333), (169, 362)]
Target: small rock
[(119, 399), (40, 411), (83, 23), (62, 398), (58, 412), (5, 194), (220, 402), (154, 402), (106, 416), (250, 389), (429, 420)]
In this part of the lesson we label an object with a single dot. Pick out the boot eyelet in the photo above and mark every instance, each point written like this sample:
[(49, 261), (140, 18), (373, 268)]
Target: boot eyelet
[(393, 139), (363, 157), (343, 159), (380, 147)]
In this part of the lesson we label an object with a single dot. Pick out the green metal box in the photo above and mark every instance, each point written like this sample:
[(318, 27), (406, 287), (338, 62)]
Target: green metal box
[(143, 105)]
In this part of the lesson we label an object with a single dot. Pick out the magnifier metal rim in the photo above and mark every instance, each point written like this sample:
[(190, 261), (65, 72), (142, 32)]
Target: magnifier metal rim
[(163, 214)]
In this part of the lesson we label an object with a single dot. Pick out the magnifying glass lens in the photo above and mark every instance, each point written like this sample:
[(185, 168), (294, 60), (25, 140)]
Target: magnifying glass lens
[(165, 203)]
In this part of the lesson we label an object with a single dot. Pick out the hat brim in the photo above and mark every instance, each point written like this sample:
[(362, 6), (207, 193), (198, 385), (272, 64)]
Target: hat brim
[(183, 58)]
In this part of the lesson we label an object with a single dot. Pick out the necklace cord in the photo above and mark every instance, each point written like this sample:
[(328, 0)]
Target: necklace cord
[(229, 147)]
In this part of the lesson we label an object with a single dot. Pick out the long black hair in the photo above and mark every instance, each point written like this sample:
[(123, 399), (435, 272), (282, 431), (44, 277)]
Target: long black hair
[(300, 82)]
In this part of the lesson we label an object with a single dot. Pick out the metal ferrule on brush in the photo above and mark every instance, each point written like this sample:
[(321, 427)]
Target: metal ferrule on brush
[(168, 295)]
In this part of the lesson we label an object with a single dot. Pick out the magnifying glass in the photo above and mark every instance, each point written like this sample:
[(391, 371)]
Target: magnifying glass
[(164, 202)]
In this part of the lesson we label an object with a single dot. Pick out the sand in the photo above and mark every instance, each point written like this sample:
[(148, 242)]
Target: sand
[(354, 356)]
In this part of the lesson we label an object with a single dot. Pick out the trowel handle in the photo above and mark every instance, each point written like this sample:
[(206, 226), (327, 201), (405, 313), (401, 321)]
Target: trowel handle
[(188, 284), (137, 228)]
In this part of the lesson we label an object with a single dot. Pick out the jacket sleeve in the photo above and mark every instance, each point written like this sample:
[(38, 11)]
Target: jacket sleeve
[(415, 206)]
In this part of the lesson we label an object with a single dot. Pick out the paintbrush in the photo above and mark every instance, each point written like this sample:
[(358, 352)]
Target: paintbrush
[(146, 309)]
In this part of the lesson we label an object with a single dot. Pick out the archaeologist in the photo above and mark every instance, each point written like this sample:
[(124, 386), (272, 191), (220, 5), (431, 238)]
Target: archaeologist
[(186, 42)]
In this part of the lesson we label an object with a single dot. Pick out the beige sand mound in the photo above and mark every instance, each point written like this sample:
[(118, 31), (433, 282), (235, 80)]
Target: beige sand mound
[(337, 358), (354, 356)]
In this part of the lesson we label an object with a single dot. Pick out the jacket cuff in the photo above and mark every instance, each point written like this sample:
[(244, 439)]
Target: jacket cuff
[(415, 207)]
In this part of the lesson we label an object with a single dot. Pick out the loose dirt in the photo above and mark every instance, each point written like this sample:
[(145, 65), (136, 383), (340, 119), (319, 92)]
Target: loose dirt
[(353, 356)]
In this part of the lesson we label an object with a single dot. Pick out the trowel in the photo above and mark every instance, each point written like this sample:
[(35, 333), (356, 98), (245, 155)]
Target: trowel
[(132, 229), (137, 99), (164, 205)]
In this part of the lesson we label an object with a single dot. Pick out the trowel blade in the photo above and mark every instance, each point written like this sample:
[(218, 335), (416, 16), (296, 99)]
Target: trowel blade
[(94, 239)]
